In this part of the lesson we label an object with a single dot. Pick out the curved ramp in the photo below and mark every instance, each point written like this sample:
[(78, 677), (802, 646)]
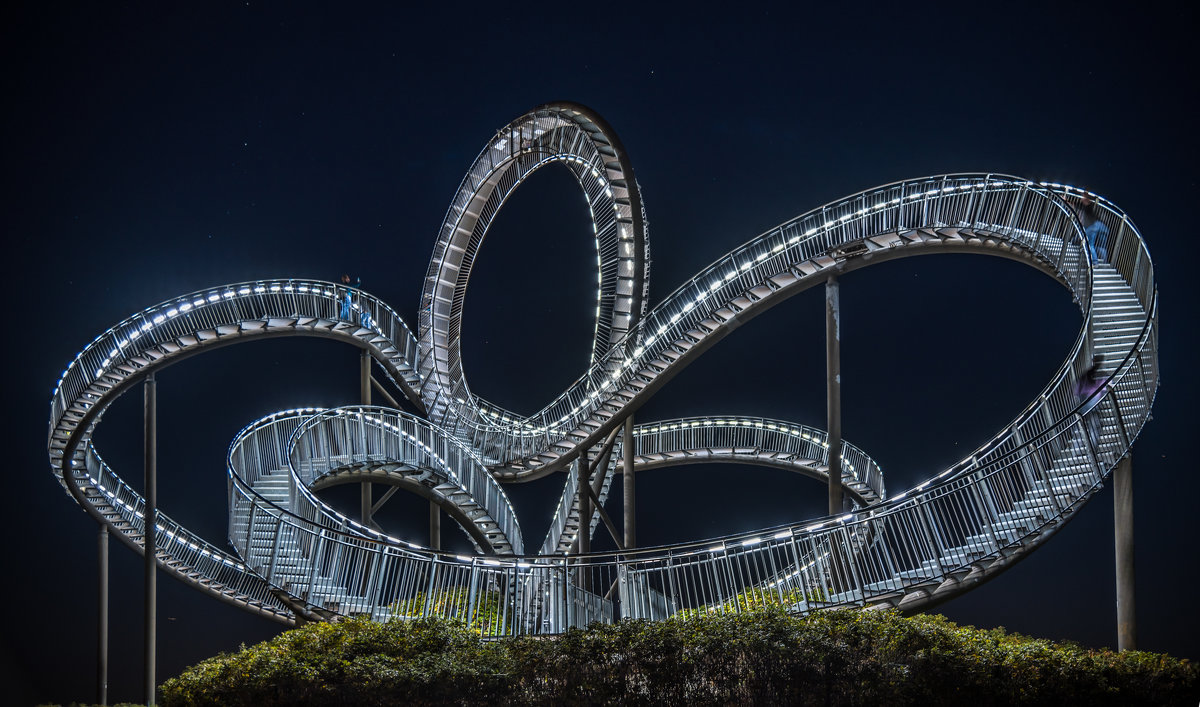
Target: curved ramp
[(556, 133), (172, 331), (960, 527), (728, 439)]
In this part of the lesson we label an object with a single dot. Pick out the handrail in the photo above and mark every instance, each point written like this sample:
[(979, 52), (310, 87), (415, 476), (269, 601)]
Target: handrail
[(772, 254), (335, 438), (566, 133), (256, 299), (175, 329), (924, 544), (862, 476)]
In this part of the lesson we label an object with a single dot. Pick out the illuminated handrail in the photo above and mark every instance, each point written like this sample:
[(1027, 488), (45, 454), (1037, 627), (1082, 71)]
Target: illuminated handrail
[(798, 445), (181, 552), (927, 543), (735, 438), (334, 439), (558, 133), (170, 331), (1024, 214), (228, 305)]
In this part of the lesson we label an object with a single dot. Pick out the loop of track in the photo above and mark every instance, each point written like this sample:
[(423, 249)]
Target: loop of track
[(956, 529)]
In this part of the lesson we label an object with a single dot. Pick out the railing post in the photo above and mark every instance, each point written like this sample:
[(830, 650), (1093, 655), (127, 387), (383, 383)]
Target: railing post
[(472, 592), (1123, 545), (563, 617), (375, 584), (364, 394), (429, 588), (314, 559), (150, 515), (922, 513), (628, 487), (255, 508), (275, 549)]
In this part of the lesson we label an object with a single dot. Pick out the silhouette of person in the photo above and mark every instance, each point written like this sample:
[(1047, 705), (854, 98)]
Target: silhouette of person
[(1088, 390), (1095, 229), (354, 300), (347, 299)]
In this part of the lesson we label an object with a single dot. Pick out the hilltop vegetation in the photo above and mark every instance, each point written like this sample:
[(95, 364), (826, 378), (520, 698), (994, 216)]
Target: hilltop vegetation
[(755, 657)]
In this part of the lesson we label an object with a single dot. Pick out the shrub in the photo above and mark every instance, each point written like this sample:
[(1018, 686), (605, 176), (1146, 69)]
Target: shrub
[(764, 656)]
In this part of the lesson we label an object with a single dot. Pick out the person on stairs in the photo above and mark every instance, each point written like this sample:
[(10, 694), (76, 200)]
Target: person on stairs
[(1094, 229), (1090, 392)]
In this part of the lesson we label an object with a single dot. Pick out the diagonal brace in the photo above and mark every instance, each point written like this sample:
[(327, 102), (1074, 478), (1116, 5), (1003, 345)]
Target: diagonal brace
[(612, 529), (379, 504), (383, 391), (593, 490)]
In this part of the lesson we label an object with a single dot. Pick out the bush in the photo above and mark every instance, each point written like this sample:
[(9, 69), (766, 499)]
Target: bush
[(758, 657), (427, 661)]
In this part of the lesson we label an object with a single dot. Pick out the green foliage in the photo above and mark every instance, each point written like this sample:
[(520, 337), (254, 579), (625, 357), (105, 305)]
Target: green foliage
[(764, 656), (84, 704), (424, 661), (485, 617), (755, 599)]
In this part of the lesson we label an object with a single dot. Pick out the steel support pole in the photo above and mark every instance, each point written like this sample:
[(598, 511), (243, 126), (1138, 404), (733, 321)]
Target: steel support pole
[(833, 391), (364, 394), (1123, 531), (102, 618), (364, 378), (628, 486), (151, 521), (435, 526), (585, 516), (585, 506)]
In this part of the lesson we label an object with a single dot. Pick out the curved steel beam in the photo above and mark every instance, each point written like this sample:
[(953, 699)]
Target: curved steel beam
[(556, 133)]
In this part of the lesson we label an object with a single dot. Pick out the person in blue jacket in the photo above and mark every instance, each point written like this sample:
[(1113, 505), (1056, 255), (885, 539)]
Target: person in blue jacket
[(347, 298), (1095, 229)]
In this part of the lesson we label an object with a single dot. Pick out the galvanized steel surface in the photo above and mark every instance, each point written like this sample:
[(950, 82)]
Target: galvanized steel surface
[(920, 546)]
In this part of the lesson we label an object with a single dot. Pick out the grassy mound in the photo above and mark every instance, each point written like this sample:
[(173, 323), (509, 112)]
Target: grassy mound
[(758, 657)]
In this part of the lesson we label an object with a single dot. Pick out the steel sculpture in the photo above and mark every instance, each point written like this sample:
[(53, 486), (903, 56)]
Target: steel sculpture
[(294, 558)]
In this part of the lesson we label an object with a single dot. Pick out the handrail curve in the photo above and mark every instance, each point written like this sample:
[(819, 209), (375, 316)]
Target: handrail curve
[(959, 527)]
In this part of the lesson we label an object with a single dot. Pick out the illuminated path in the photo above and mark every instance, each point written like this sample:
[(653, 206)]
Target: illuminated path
[(297, 557)]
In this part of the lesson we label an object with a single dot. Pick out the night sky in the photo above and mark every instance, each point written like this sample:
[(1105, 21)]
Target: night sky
[(153, 151)]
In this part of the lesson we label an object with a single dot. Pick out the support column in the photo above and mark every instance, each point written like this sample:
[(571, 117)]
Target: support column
[(585, 505), (435, 526), (1123, 531), (364, 394), (628, 486), (585, 516), (833, 398), (364, 378), (366, 504), (102, 618), (151, 521)]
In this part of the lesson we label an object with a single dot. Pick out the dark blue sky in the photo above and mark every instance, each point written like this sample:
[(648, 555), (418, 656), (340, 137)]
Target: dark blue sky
[(154, 151)]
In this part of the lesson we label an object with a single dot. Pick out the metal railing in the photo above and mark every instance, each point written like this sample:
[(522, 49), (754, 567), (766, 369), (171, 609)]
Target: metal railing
[(789, 445), (366, 436), (211, 314), (167, 332), (918, 546), (973, 517), (180, 551), (568, 134), (1023, 214), (734, 438)]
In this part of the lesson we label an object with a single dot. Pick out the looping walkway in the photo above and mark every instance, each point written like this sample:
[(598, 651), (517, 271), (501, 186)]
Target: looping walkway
[(295, 556)]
